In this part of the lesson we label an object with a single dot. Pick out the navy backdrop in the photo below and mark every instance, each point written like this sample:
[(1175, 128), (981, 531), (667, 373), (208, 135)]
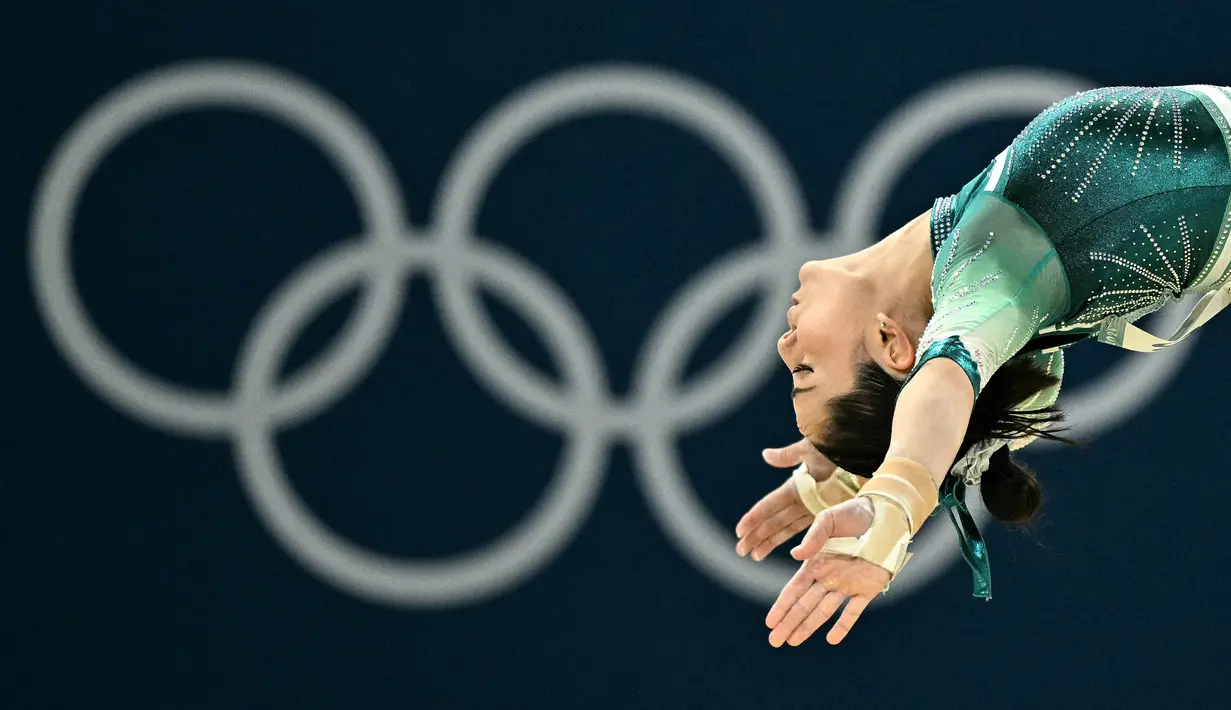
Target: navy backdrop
[(137, 570)]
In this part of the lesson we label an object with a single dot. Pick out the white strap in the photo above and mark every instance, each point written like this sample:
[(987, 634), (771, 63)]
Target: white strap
[(1119, 332), (806, 486), (993, 178)]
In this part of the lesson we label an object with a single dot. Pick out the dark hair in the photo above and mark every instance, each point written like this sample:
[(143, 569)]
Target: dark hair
[(860, 422)]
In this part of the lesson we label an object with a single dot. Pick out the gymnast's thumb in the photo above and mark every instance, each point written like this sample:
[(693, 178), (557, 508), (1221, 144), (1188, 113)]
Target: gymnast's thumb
[(786, 457), (847, 519)]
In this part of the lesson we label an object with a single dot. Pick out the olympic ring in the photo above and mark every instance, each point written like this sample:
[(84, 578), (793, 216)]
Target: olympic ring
[(659, 407), (276, 95)]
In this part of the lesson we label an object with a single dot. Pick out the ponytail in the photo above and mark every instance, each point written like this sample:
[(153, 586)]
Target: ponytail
[(861, 422)]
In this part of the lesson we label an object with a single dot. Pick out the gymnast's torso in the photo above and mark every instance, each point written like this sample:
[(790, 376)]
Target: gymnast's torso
[(1107, 206)]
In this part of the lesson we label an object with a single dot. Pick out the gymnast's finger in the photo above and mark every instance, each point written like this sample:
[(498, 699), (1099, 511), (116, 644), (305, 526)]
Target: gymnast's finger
[(768, 527), (786, 531), (843, 625), (817, 618), (797, 615), (776, 500), (793, 590)]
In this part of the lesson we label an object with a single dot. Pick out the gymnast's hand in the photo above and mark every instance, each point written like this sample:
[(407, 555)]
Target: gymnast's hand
[(825, 580), (780, 515)]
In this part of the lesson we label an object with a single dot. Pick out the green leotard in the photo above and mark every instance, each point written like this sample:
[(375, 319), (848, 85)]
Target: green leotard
[(1109, 205)]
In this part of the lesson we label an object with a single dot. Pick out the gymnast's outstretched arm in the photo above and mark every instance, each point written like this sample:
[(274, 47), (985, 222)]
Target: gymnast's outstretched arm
[(929, 423), (931, 416)]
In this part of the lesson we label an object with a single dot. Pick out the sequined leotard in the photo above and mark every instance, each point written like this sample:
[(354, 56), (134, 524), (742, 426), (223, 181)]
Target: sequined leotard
[(1108, 205)]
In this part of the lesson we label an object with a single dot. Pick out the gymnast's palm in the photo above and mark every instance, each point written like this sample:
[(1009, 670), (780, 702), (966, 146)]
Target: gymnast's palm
[(824, 581), (780, 515)]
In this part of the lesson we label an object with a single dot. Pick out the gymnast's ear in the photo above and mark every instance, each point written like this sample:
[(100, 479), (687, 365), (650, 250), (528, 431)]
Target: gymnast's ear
[(891, 346)]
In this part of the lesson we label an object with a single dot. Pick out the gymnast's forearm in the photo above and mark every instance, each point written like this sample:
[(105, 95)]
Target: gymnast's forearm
[(930, 419)]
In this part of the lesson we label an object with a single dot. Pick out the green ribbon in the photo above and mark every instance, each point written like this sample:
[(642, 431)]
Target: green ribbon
[(970, 541)]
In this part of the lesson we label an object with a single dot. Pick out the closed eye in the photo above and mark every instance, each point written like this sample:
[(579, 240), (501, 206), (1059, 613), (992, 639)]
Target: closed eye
[(800, 390), (796, 370)]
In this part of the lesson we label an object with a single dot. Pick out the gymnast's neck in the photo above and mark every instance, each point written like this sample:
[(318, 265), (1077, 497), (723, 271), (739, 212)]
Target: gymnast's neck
[(898, 273)]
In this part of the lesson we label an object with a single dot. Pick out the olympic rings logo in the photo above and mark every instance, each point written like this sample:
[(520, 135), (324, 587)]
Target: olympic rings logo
[(659, 407)]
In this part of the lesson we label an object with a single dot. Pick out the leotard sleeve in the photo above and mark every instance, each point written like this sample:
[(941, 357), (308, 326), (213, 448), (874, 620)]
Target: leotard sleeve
[(996, 281)]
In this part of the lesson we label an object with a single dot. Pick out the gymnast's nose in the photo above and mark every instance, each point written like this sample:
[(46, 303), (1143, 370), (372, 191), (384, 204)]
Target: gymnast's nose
[(807, 272)]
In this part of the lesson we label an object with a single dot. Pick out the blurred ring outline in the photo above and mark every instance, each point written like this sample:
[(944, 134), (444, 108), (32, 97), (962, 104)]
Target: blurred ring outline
[(659, 407)]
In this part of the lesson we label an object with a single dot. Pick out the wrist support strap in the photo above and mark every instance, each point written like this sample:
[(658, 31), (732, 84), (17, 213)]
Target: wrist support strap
[(838, 488), (903, 494)]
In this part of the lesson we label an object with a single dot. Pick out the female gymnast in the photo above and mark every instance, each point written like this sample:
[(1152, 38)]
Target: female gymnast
[(920, 362)]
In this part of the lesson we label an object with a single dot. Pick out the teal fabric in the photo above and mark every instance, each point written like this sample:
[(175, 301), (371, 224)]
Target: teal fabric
[(1108, 205), (970, 540), (996, 281), (1139, 174), (953, 349)]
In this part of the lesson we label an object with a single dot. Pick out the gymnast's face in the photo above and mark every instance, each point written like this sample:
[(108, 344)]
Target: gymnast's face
[(828, 320)]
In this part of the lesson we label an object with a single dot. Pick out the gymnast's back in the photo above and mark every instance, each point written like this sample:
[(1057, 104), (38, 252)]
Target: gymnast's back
[(1131, 186)]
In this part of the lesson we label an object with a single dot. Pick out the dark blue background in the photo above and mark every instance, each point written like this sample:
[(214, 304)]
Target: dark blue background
[(136, 574)]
